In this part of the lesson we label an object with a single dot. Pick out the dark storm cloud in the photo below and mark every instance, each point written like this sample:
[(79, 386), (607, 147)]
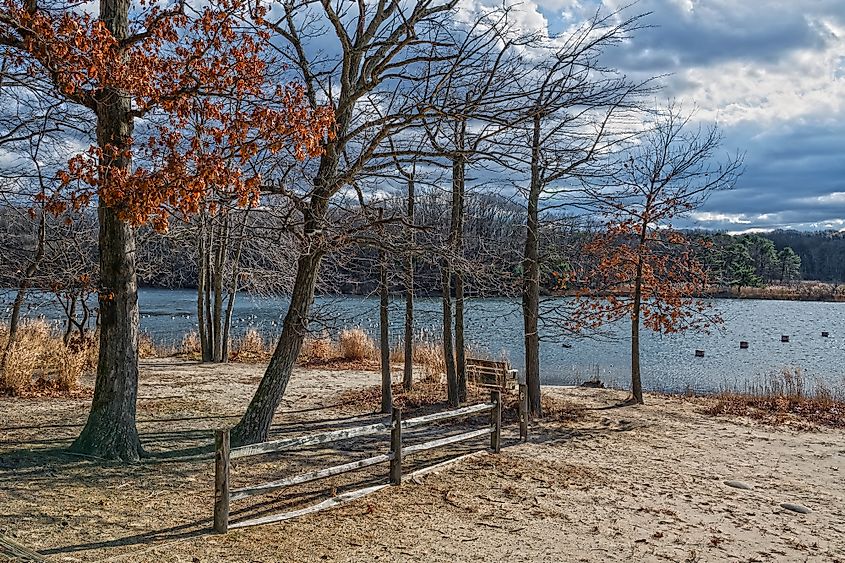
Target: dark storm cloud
[(711, 32), (756, 65), (795, 178)]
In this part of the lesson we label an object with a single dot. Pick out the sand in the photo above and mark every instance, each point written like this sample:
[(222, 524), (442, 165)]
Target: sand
[(638, 483)]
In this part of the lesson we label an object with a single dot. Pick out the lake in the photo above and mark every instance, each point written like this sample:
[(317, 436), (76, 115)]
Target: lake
[(495, 326)]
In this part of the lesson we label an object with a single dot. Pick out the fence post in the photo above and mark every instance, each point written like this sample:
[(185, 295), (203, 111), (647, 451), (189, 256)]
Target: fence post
[(496, 421), (396, 447), (523, 412), (221, 481)]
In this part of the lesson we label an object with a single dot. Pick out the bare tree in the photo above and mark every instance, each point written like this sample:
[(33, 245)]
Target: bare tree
[(572, 114), (378, 46)]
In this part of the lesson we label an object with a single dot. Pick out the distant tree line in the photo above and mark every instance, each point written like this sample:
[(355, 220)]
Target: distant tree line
[(265, 258)]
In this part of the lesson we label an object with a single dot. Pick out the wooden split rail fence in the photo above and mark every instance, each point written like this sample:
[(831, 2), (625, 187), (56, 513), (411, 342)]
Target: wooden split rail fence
[(224, 495)]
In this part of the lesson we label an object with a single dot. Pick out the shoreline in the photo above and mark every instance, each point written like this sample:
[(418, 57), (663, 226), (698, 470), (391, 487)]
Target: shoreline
[(813, 293)]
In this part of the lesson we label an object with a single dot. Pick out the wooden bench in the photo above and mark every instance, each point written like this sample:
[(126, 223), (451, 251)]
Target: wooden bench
[(490, 373)]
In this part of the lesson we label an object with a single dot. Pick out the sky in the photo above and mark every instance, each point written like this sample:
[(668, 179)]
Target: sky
[(770, 73)]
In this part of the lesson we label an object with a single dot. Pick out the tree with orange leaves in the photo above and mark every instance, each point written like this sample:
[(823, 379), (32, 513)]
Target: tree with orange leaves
[(164, 64), (642, 268)]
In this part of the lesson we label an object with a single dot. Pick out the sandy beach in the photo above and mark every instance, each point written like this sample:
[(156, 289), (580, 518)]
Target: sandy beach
[(611, 484)]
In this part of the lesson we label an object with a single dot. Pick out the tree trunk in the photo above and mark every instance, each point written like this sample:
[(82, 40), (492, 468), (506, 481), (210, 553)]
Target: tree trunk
[(219, 271), (202, 278), (408, 366), (531, 279), (254, 426), (110, 431), (460, 346), (448, 351), (384, 336), (636, 384), (209, 276), (233, 290), (70, 311), (457, 247)]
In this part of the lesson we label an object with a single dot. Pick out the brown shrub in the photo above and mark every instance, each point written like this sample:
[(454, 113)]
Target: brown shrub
[(39, 358), (428, 356), (357, 345), (71, 366), (21, 361), (147, 348), (318, 349), (251, 347), (190, 345)]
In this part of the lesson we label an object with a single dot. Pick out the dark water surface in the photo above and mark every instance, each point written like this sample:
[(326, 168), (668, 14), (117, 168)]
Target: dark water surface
[(495, 325)]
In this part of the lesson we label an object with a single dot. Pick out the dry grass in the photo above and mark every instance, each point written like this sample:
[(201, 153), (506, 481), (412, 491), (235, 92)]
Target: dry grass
[(799, 291), (190, 346), (252, 347), (40, 363), (318, 349), (353, 349), (357, 345), (784, 398), (147, 348)]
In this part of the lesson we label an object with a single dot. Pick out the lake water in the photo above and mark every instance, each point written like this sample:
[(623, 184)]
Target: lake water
[(495, 326)]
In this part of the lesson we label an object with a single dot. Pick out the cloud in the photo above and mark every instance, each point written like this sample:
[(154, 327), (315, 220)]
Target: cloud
[(771, 73)]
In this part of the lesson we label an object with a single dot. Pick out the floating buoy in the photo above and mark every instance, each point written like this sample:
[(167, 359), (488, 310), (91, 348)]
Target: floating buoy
[(784, 338), (699, 353), (743, 345), (825, 334)]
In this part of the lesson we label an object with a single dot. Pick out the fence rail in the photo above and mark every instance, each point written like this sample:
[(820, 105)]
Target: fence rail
[(223, 495)]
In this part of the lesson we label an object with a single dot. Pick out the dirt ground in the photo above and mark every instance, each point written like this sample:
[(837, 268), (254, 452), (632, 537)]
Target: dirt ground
[(641, 484)]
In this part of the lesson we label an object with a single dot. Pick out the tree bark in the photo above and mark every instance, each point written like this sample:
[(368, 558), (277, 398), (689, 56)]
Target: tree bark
[(408, 365), (448, 350), (70, 311), (384, 336), (110, 431), (254, 426), (460, 346), (636, 383), (233, 290), (456, 248), (531, 279), (219, 270), (202, 278), (458, 187)]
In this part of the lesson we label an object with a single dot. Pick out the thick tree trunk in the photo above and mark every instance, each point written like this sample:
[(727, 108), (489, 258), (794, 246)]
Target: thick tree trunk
[(531, 280), (254, 426), (408, 366), (110, 431), (384, 337)]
